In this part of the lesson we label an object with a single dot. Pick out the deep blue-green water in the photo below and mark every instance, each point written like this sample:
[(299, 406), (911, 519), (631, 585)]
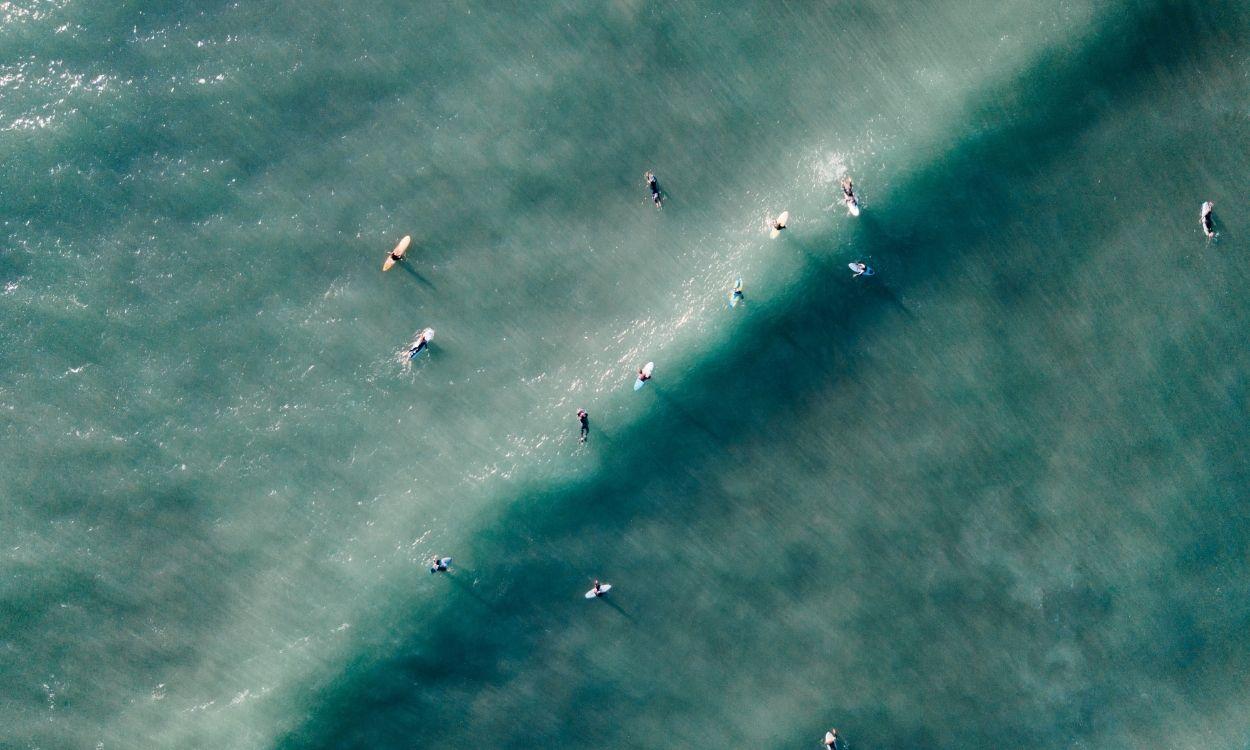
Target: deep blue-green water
[(993, 496)]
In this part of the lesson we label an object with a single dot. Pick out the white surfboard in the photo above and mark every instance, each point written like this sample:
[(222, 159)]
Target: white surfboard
[(646, 370), (398, 252), (735, 293), (779, 224), (852, 206), (603, 589)]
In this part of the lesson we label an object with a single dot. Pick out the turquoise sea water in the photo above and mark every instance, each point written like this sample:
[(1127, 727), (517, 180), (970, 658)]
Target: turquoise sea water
[(991, 497)]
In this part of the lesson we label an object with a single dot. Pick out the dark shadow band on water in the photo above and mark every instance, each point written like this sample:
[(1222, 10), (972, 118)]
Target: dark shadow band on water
[(395, 697)]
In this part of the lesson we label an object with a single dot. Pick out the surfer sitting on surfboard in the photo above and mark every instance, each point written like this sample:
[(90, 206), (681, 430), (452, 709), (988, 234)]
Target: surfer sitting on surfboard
[(439, 564), (656, 196), (597, 589), (583, 416), (831, 739), (1208, 225), (643, 375)]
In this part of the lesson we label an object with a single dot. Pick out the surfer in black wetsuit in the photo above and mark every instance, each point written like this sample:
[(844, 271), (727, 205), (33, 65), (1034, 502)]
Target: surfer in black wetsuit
[(656, 196), (848, 189), (598, 589), (644, 377), (1208, 225), (416, 347), (438, 565), (584, 417)]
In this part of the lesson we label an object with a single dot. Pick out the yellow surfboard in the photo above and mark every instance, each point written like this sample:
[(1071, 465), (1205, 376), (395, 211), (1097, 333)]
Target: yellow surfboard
[(779, 224), (397, 253)]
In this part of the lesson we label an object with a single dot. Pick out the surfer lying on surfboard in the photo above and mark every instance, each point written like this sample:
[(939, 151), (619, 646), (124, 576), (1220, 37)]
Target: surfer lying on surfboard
[(657, 197), (848, 196), (831, 739), (1208, 224), (421, 342), (583, 416)]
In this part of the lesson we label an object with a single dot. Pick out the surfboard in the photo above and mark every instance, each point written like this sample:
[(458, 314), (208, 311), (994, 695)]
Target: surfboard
[(867, 271), (603, 589), (399, 250), (780, 222), (734, 295), (852, 206), (646, 370)]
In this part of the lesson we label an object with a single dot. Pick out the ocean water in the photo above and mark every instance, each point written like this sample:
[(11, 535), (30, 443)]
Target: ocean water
[(993, 496)]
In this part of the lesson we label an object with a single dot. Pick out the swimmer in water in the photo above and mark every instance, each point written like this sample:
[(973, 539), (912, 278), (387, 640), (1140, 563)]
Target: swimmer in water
[(1208, 224), (656, 196), (439, 564), (831, 739), (583, 416)]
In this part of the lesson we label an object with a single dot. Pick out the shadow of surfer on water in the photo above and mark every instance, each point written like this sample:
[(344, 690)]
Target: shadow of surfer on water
[(620, 610), (417, 275)]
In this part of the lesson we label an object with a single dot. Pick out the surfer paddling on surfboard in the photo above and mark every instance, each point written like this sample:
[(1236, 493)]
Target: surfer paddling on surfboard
[(421, 342), (657, 197), (583, 416), (848, 196), (1208, 224), (831, 739)]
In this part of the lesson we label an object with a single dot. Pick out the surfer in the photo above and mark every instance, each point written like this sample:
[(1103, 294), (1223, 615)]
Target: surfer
[(656, 196), (831, 739), (583, 416), (736, 296), (397, 257), (422, 341), (779, 224), (1208, 224), (597, 589), (848, 190), (439, 564), (859, 268), (643, 375)]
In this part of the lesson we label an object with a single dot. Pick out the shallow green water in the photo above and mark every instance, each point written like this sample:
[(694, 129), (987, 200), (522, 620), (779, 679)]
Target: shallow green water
[(989, 497)]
